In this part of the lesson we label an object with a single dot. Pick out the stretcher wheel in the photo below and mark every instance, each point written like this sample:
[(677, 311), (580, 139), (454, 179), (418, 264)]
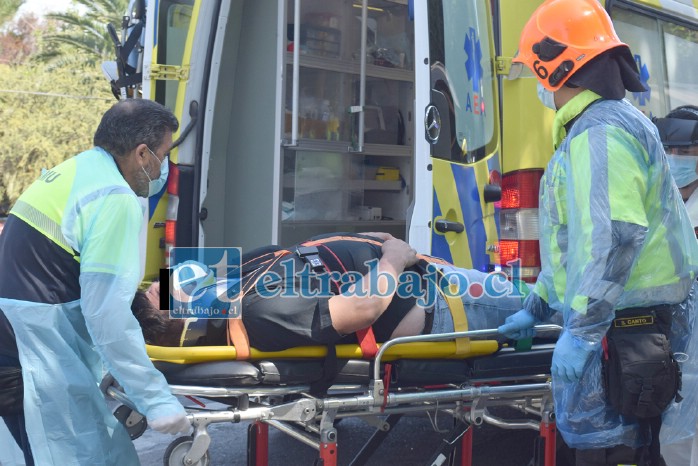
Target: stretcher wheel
[(134, 421), (178, 449)]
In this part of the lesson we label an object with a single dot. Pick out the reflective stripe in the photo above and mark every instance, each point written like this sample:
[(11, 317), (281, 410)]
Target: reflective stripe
[(42, 223)]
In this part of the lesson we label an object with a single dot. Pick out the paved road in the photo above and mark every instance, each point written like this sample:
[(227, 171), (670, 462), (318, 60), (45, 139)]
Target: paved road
[(412, 442)]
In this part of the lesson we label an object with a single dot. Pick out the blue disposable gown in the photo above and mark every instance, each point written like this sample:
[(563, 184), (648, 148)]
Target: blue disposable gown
[(87, 207)]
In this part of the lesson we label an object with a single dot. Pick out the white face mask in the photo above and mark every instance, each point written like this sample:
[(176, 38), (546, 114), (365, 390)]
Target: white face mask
[(683, 169), (546, 97), (155, 186)]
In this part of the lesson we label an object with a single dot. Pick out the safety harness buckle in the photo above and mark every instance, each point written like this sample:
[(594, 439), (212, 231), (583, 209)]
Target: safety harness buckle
[(311, 255)]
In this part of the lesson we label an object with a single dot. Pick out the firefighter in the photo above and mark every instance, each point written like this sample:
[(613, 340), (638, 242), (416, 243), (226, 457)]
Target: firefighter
[(615, 249)]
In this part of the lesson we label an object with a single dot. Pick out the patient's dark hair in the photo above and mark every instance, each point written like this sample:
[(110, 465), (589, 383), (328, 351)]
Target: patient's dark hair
[(153, 322)]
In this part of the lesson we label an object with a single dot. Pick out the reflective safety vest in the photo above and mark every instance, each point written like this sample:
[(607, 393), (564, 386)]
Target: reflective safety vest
[(612, 223)]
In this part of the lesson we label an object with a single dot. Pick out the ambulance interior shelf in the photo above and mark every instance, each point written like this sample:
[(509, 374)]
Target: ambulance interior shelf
[(329, 179)]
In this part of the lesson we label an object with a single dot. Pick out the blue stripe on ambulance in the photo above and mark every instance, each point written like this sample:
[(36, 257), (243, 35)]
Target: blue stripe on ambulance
[(153, 202), (469, 197), (439, 246)]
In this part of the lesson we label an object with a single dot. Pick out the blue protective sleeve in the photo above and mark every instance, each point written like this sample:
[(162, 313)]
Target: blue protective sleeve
[(109, 275)]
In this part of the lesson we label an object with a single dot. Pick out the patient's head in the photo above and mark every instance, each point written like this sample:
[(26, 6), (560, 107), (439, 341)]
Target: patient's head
[(158, 328)]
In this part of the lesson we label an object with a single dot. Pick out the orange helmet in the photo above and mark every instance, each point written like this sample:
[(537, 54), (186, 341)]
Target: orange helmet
[(561, 36)]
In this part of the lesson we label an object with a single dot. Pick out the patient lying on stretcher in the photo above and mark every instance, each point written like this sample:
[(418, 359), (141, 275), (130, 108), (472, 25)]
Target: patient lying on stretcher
[(370, 280)]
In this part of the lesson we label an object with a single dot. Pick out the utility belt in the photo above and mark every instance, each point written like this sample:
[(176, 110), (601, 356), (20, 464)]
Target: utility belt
[(641, 376)]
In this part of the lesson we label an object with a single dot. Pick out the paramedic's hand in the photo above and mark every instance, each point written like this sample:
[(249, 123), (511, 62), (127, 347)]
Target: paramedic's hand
[(399, 254), (569, 358), (519, 326), (174, 424)]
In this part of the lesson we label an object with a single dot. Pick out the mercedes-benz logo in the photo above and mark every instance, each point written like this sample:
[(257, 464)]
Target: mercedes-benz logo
[(432, 124)]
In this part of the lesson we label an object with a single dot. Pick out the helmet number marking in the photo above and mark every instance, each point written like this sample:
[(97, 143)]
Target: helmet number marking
[(540, 70)]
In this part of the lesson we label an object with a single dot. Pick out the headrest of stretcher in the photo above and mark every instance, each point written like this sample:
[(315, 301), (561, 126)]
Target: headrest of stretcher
[(416, 350)]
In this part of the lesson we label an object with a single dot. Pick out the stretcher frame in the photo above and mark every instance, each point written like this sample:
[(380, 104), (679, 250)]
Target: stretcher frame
[(311, 420)]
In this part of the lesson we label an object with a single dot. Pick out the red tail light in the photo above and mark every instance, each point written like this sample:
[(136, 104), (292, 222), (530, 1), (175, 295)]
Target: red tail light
[(173, 180), (520, 189), (526, 250), (172, 208), (170, 235), (519, 223)]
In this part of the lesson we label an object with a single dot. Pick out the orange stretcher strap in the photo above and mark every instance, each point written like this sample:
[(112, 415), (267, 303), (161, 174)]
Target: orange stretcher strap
[(330, 239), (237, 336)]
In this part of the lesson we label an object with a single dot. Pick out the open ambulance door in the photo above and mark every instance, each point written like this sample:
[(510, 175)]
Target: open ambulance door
[(461, 128)]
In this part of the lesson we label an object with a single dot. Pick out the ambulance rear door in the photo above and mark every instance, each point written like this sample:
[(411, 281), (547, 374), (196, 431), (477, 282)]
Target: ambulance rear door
[(462, 132)]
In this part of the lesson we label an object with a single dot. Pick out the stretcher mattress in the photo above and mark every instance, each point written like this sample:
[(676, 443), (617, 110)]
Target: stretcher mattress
[(506, 363)]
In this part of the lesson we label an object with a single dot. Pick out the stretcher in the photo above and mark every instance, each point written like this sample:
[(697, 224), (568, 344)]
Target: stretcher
[(460, 374)]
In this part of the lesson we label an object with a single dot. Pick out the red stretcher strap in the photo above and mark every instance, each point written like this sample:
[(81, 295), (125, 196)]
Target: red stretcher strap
[(367, 342)]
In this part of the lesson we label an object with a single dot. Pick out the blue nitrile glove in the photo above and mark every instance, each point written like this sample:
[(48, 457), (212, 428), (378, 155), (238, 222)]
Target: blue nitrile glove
[(519, 326), (569, 358)]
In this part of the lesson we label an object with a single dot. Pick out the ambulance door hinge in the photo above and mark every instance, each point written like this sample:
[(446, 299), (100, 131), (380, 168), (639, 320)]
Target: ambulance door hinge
[(502, 65)]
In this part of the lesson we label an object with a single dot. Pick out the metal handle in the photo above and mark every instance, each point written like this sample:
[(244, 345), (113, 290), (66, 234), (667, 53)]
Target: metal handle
[(492, 193), (492, 332), (443, 226)]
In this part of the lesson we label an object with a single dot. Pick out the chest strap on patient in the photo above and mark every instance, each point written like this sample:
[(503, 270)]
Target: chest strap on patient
[(366, 338)]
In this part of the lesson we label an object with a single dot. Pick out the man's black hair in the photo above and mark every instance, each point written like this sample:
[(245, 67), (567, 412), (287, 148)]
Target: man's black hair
[(131, 122), (684, 112)]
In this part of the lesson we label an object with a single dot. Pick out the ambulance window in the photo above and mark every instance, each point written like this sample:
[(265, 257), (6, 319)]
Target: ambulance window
[(461, 56), (642, 34), (666, 53), (681, 46), (174, 18)]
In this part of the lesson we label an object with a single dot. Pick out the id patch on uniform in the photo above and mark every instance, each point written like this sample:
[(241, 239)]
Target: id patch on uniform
[(202, 283), (637, 321)]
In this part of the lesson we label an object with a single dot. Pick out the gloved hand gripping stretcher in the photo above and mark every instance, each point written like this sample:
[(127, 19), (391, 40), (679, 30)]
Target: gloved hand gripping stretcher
[(462, 373)]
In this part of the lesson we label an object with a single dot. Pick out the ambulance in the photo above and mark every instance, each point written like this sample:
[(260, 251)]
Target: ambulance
[(300, 117)]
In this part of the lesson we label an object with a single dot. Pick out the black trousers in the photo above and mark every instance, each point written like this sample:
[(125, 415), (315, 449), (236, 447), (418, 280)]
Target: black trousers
[(15, 423), (614, 456)]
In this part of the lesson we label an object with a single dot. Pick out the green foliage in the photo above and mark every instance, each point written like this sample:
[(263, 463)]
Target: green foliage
[(39, 130), (82, 33), (8, 8)]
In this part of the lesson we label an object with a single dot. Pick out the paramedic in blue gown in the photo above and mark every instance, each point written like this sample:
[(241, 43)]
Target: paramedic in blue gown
[(614, 235), (70, 267)]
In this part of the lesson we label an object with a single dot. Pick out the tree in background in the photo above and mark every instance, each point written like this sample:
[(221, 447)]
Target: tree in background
[(53, 118), (52, 92), (8, 8), (19, 39), (82, 34)]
